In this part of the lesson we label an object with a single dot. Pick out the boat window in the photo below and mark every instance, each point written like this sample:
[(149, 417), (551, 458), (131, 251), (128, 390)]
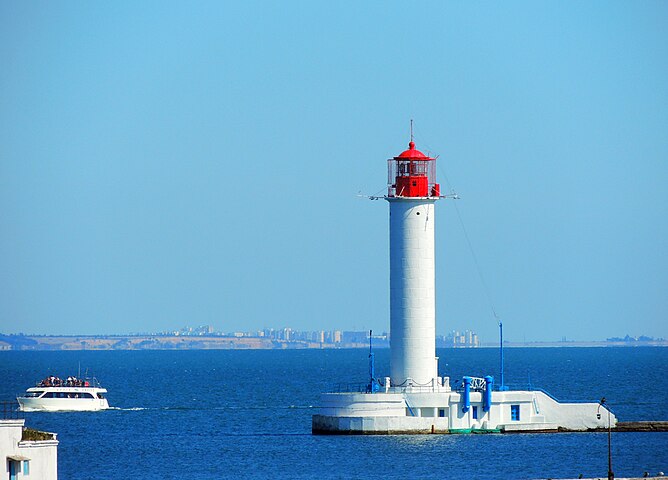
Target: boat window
[(515, 412), (33, 394), (48, 395), (99, 395)]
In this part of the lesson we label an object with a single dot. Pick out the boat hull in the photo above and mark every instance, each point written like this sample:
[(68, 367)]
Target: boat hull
[(63, 399)]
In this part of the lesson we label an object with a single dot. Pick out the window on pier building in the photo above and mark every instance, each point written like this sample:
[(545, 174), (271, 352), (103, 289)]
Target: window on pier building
[(474, 413), (441, 412), (515, 412), (26, 467)]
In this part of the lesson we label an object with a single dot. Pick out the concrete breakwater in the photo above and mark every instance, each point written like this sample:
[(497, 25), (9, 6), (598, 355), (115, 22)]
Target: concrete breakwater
[(644, 426), (322, 427)]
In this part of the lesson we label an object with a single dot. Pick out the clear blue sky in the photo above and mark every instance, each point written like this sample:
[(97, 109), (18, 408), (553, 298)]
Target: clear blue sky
[(184, 163)]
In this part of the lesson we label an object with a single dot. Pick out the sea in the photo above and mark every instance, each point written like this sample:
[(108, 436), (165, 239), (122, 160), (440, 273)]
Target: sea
[(217, 414)]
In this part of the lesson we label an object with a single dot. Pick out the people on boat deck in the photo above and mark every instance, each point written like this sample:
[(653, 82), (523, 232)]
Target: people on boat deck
[(53, 381)]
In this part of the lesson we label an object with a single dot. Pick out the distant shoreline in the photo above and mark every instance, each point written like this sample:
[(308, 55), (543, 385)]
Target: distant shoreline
[(602, 344), (219, 342)]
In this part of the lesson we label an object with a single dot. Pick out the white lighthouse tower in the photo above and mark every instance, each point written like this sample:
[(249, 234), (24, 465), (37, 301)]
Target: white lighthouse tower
[(412, 193), (414, 398)]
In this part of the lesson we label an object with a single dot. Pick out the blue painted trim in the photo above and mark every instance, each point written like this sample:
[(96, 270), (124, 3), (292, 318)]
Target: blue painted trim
[(373, 386), (487, 397), (467, 394)]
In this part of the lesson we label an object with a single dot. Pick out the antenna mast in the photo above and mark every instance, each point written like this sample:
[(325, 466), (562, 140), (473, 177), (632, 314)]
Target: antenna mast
[(373, 385), (502, 387)]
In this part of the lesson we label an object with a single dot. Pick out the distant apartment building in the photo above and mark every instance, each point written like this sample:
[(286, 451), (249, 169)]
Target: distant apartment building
[(286, 334), (189, 331), (455, 339)]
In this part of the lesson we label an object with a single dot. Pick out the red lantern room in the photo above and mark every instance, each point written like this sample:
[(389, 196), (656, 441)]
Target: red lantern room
[(412, 174)]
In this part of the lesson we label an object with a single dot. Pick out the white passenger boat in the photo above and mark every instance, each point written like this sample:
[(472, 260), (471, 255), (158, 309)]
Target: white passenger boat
[(54, 395)]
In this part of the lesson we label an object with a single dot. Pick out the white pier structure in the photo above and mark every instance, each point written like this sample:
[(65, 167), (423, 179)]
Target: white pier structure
[(414, 398)]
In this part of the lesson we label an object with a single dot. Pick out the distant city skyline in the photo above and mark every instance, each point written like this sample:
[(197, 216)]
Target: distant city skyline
[(158, 169), (452, 338)]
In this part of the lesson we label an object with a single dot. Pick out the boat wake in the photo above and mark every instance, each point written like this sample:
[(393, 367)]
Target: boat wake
[(185, 408), (131, 409)]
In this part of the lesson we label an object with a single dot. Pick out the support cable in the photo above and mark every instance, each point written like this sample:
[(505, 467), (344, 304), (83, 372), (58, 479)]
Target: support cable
[(470, 245)]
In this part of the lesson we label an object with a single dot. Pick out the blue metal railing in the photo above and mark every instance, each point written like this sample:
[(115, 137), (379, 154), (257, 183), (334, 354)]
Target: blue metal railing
[(10, 411), (350, 388)]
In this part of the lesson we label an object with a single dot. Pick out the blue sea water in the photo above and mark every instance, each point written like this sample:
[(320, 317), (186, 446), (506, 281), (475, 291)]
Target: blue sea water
[(247, 414)]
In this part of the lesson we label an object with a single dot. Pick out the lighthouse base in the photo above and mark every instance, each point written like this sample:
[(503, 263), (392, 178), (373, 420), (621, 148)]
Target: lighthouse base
[(399, 411), (329, 425)]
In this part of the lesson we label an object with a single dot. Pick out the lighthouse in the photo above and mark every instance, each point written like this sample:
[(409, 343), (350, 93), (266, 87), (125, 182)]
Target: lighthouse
[(412, 194), (414, 398)]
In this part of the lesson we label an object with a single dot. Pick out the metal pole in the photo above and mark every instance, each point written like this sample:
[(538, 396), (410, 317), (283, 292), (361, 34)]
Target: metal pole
[(611, 474), (373, 386), (501, 350)]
